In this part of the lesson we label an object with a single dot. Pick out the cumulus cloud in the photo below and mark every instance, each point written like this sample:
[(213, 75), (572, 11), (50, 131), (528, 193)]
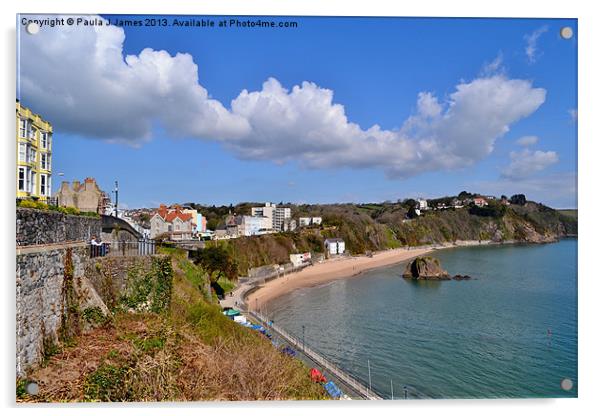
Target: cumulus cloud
[(527, 162), (531, 47), (527, 140), (79, 78)]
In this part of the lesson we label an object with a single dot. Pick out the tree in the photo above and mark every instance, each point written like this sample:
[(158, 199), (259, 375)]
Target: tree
[(409, 203), (412, 213), (518, 199), (217, 259)]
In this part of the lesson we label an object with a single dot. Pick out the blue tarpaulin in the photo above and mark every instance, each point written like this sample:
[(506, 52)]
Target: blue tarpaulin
[(333, 390)]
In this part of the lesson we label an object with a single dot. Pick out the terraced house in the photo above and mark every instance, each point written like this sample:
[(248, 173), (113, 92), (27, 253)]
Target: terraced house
[(34, 155)]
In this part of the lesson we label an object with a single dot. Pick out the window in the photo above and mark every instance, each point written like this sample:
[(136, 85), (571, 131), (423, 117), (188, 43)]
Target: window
[(22, 128), (31, 132), (44, 139), (43, 189), (31, 157), (21, 179), (31, 181), (22, 152), (44, 161)]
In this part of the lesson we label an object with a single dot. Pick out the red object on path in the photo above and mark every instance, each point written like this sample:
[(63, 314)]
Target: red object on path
[(317, 376)]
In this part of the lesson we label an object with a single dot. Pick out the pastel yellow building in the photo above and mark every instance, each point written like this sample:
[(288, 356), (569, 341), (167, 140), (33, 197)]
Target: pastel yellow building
[(34, 155)]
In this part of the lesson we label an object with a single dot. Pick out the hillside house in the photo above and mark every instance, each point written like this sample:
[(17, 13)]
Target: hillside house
[(173, 222), (334, 246)]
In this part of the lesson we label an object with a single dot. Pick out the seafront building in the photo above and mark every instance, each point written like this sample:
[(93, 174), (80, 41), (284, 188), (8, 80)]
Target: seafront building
[(34, 155), (334, 246)]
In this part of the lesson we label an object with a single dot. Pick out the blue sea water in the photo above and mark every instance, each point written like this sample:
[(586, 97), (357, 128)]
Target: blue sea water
[(509, 332)]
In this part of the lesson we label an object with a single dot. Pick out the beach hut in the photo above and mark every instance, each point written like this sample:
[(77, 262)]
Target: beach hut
[(231, 313)]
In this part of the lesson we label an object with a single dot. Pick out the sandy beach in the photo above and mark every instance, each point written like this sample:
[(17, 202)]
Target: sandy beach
[(330, 270)]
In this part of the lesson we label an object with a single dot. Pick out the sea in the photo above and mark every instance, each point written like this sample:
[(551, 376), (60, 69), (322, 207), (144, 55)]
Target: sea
[(509, 332)]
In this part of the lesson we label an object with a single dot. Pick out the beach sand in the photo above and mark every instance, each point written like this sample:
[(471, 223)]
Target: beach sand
[(329, 270)]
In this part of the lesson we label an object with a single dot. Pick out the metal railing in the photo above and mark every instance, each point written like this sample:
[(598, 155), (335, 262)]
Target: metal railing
[(142, 247), (356, 385)]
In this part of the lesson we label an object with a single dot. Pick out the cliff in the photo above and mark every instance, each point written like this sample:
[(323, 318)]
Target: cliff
[(374, 227)]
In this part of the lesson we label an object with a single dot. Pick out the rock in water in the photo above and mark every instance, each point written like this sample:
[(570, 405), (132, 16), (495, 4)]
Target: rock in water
[(425, 268), (461, 277)]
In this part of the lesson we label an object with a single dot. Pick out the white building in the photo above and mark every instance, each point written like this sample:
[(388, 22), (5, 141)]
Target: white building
[(277, 216), (300, 259), (249, 225), (289, 225), (422, 204), (334, 246), (307, 221), (304, 221)]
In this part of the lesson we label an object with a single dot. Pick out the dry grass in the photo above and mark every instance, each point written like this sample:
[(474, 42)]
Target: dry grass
[(190, 353)]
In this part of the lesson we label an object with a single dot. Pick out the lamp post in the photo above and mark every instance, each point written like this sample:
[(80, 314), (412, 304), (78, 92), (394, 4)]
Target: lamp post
[(116, 196)]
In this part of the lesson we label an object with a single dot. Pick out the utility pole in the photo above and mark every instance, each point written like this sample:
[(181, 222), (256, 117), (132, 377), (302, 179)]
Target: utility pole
[(391, 389), (116, 196), (303, 327)]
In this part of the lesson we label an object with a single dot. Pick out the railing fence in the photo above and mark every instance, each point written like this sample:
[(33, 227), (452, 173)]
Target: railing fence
[(142, 247)]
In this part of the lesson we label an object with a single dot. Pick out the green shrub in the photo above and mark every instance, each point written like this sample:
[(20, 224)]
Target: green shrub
[(94, 316), (106, 384), (72, 211)]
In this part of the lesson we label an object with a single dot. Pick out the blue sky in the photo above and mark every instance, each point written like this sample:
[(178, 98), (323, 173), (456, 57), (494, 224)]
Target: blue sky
[(451, 98)]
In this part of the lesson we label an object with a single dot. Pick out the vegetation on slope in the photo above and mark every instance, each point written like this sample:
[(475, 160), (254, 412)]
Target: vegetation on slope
[(189, 351), (374, 227)]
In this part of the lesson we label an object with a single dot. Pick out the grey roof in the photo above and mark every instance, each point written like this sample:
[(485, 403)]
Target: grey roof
[(334, 240)]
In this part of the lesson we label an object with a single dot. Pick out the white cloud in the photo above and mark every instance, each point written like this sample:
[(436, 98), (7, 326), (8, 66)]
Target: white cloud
[(531, 47), (573, 113), (527, 140), (493, 67), (79, 79), (527, 162)]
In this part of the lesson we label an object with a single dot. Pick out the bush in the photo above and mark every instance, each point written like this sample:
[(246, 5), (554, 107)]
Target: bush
[(30, 203), (72, 211), (216, 258), (106, 384)]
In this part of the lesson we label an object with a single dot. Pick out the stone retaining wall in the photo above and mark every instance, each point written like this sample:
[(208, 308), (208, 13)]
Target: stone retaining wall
[(44, 300), (36, 226), (109, 275), (41, 299)]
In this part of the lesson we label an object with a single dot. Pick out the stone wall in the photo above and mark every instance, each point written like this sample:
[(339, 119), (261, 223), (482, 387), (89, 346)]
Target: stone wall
[(109, 275), (55, 285), (48, 227), (41, 298)]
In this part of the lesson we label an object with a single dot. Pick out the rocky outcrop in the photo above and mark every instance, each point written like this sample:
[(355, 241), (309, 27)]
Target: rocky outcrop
[(461, 277), (425, 268)]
